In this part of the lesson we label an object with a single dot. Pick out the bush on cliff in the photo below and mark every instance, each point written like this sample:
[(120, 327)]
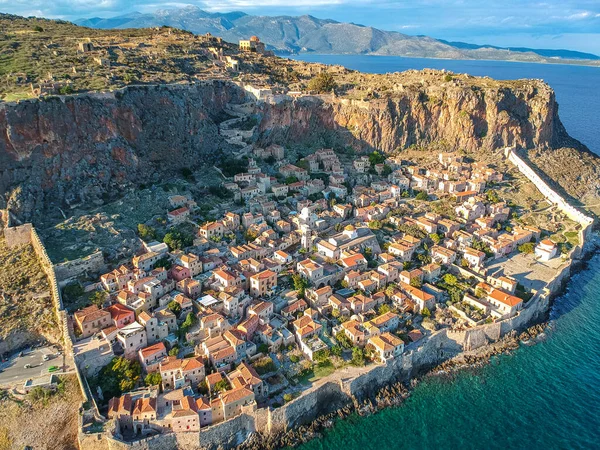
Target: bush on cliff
[(321, 83)]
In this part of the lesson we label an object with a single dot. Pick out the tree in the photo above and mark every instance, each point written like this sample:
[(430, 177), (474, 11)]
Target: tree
[(336, 350), (386, 170), (527, 247), (98, 298), (153, 379), (146, 232), (422, 196), (492, 196), (263, 348), (174, 307), (450, 279), (323, 82), (375, 224), (163, 262), (384, 308), (291, 179), (376, 158), (343, 340), (264, 365), (221, 385), (190, 320), (300, 284), (435, 238), (447, 77), (118, 376), (415, 282), (187, 173), (176, 240), (358, 357), (174, 351), (425, 312), (322, 356)]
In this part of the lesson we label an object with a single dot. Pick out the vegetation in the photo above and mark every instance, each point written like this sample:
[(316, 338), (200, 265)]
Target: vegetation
[(300, 284), (177, 239), (527, 247), (264, 365), (118, 376), (146, 232), (174, 307), (376, 158), (98, 298), (233, 166), (221, 385), (25, 302), (358, 357), (153, 379), (322, 83)]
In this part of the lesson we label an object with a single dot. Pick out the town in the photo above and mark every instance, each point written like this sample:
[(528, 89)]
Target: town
[(323, 263)]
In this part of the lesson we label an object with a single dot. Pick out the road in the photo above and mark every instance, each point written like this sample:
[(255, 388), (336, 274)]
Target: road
[(14, 372)]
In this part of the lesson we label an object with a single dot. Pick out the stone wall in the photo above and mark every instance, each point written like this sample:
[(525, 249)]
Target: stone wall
[(550, 194), (93, 263)]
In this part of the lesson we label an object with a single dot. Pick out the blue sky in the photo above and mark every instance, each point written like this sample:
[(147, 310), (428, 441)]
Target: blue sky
[(554, 24)]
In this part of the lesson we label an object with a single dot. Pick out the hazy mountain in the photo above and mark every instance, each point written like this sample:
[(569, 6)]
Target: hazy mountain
[(288, 34)]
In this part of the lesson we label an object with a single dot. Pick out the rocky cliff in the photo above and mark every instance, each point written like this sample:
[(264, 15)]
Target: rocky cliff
[(79, 149), (70, 150), (462, 115)]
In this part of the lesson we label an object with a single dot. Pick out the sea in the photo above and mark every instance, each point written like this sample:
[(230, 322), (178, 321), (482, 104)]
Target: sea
[(543, 396)]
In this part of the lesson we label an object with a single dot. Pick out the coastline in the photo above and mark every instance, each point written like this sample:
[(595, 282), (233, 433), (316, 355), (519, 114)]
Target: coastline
[(289, 56), (394, 395)]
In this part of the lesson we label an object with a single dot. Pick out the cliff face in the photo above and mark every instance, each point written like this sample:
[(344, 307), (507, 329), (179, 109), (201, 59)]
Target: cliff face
[(78, 149), (461, 116), (81, 149)]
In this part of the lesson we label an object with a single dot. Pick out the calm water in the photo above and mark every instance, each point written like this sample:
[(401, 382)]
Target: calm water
[(542, 397), (577, 87)]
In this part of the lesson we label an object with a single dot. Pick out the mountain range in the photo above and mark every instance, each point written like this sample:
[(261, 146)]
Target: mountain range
[(304, 34)]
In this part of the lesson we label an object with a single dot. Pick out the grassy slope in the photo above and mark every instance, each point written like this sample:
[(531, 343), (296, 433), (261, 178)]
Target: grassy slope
[(25, 303)]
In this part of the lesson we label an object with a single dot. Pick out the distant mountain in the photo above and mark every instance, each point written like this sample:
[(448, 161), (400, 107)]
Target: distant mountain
[(289, 34)]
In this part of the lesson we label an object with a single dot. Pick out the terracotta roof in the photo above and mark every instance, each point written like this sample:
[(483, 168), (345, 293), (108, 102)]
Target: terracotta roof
[(153, 349), (235, 395), (119, 312), (144, 405), (89, 314)]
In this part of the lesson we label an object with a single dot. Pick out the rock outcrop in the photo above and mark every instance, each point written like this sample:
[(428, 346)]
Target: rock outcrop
[(462, 116), (79, 149), (63, 151)]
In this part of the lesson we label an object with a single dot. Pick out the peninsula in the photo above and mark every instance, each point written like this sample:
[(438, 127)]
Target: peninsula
[(224, 245)]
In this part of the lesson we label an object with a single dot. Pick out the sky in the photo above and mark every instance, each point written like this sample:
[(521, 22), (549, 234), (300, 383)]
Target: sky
[(555, 24)]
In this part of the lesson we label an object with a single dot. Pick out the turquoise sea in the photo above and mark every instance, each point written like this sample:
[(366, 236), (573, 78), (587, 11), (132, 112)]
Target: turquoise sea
[(545, 396)]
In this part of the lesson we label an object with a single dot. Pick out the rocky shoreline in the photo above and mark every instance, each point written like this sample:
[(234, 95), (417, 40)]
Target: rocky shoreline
[(395, 394)]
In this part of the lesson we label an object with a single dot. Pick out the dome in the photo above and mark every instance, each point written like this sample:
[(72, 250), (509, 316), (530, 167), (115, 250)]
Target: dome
[(349, 228)]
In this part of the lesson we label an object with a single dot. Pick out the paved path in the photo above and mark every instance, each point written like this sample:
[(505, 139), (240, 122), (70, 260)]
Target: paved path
[(14, 372)]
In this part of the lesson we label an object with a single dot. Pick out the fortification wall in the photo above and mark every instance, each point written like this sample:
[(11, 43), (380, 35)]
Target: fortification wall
[(550, 194), (226, 434)]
